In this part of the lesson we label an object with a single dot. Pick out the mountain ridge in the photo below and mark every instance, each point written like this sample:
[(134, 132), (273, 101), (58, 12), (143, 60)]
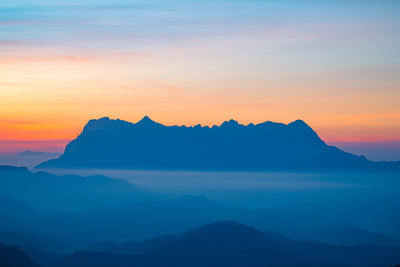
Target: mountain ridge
[(108, 143), (230, 243), (54, 192)]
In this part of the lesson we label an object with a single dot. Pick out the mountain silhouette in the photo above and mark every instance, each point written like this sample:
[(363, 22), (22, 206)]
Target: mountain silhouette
[(106, 143), (224, 243), (27, 158), (67, 192), (228, 243)]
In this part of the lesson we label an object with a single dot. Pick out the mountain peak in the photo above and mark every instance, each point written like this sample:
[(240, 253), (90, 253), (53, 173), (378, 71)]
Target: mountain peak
[(146, 118), (229, 123), (95, 124), (147, 121), (298, 123)]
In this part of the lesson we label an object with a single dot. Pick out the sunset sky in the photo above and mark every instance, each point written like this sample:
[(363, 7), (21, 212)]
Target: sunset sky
[(334, 64)]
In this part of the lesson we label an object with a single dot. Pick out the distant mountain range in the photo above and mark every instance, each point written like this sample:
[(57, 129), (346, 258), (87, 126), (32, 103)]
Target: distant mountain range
[(27, 158), (67, 192), (106, 143), (30, 153)]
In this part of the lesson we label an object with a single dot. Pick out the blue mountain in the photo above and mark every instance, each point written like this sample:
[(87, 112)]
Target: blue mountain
[(228, 243), (107, 143), (67, 192), (14, 257)]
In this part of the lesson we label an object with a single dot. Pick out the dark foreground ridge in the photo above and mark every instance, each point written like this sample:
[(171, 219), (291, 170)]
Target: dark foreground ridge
[(106, 143), (228, 243), (14, 257)]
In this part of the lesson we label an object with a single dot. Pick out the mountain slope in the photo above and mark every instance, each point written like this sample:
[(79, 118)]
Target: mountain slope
[(14, 257), (107, 143)]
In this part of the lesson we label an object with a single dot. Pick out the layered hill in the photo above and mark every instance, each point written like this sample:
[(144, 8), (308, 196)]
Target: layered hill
[(228, 243), (107, 143), (67, 192)]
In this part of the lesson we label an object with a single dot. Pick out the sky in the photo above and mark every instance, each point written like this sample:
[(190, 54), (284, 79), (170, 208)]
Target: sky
[(333, 64)]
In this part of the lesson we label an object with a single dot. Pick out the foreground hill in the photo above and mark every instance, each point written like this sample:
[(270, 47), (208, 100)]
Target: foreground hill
[(14, 257), (229, 243), (107, 143)]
